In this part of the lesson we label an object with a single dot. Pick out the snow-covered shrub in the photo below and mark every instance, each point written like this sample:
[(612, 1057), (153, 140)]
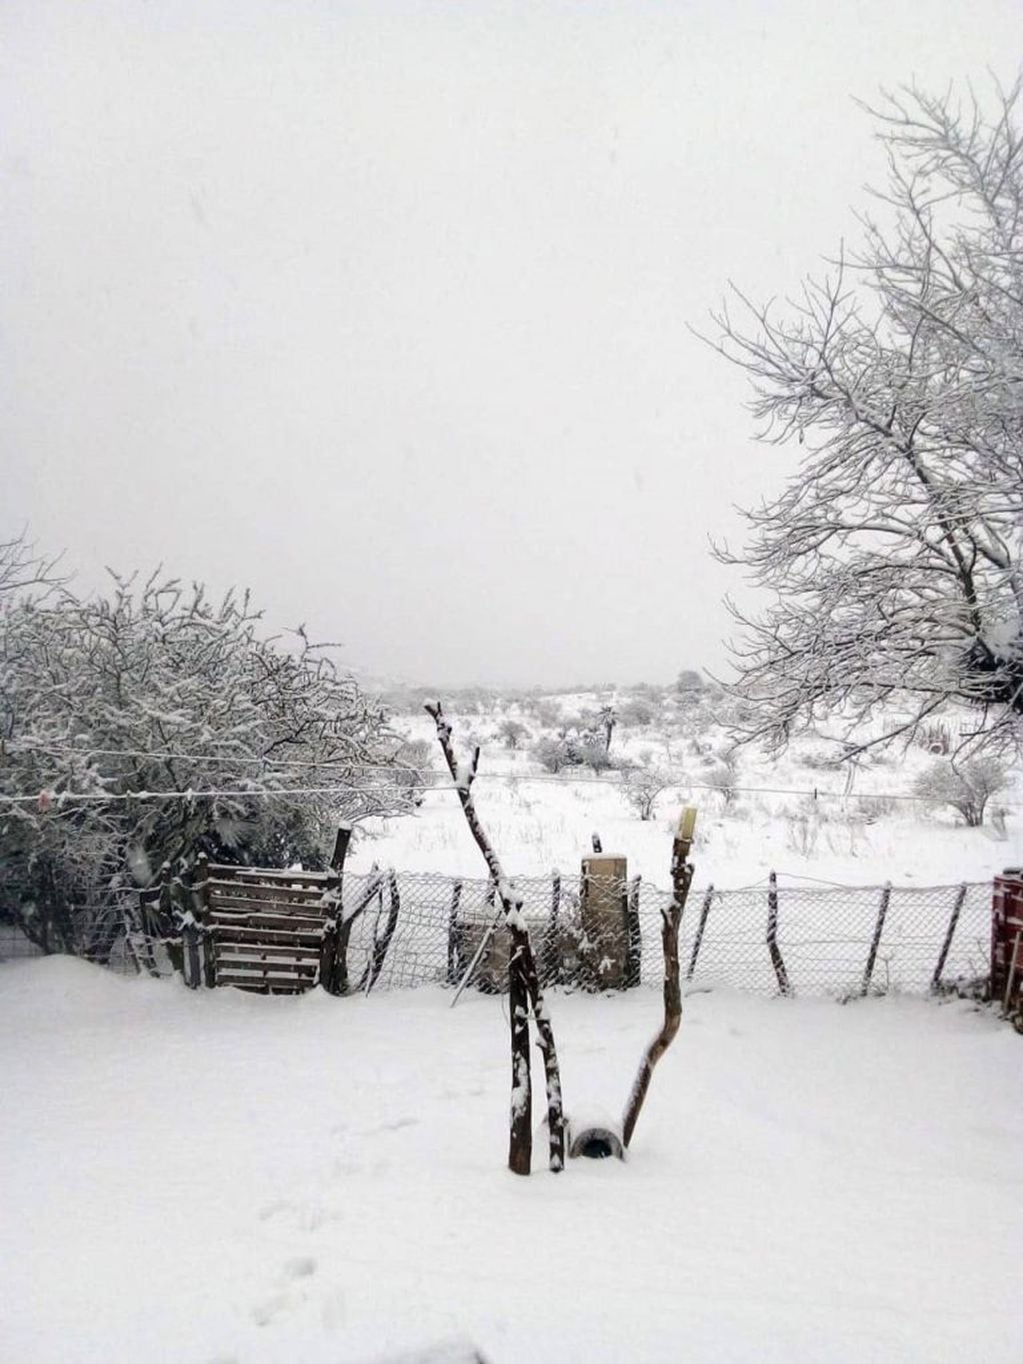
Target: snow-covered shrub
[(688, 682), (592, 750), (554, 753), (638, 712), (547, 714), (158, 689), (641, 786), (869, 809), (512, 733), (722, 778), (803, 826), (967, 786), (413, 769)]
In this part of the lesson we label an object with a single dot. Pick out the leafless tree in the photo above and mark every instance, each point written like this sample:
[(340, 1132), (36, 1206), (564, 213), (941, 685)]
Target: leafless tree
[(894, 553), (967, 787), (23, 571), (641, 786)]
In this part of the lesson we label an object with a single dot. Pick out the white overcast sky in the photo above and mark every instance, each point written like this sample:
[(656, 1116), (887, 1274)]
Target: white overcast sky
[(381, 309)]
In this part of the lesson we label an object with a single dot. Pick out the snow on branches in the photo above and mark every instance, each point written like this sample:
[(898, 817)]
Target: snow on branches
[(895, 554), (161, 723)]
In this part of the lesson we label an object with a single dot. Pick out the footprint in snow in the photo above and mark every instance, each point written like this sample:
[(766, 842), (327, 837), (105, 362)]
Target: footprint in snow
[(284, 1300)]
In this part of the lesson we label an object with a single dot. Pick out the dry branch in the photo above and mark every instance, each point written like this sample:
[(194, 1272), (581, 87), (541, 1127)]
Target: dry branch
[(524, 980), (671, 918)]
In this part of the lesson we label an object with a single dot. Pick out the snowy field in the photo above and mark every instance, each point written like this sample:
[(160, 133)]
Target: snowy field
[(770, 822), (227, 1179)]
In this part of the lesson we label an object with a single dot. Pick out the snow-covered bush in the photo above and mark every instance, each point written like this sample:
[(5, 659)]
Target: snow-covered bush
[(689, 682), (413, 773), (554, 753), (641, 786), (722, 778), (157, 689), (512, 733), (637, 712), (967, 786), (546, 713)]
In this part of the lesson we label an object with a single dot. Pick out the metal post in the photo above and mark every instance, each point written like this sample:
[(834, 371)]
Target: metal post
[(704, 911), (456, 896), (772, 936), (876, 941), (949, 934)]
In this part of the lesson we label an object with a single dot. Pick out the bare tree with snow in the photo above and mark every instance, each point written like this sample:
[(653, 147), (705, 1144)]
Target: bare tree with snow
[(151, 724), (967, 787), (24, 571), (894, 553)]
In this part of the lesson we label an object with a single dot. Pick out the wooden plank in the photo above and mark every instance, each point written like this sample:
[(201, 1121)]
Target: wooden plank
[(250, 978), (230, 933), (270, 918), (223, 871), (243, 890), (260, 970), (263, 987), (282, 951), (301, 880), (302, 920), (227, 934), (278, 957), (263, 971)]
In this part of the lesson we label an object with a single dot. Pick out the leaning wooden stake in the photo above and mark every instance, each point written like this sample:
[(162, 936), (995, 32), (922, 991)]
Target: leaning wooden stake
[(524, 980), (875, 942), (708, 900), (777, 961), (949, 935), (671, 918)]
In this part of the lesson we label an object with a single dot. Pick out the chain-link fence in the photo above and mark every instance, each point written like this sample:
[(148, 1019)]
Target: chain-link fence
[(413, 928), (825, 938)]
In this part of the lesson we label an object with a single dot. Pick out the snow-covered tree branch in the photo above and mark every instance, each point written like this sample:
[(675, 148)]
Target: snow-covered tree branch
[(895, 553), (108, 705)]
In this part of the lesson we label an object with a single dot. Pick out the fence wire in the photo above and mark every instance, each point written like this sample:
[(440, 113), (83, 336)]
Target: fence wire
[(602, 934), (825, 937)]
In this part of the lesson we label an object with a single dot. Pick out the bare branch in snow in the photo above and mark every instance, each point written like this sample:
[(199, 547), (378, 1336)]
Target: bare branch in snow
[(524, 979)]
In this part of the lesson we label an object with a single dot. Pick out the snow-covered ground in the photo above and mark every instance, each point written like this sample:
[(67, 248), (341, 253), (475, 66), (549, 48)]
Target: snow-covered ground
[(771, 823), (220, 1177)]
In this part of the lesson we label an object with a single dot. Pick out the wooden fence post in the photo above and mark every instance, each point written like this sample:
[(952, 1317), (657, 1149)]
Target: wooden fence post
[(341, 842), (634, 949), (882, 912), (201, 907), (547, 963), (949, 934), (453, 933), (332, 930), (772, 936), (603, 914), (704, 911)]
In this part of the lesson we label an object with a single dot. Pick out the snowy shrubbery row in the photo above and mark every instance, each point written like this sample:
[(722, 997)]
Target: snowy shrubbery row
[(660, 740)]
